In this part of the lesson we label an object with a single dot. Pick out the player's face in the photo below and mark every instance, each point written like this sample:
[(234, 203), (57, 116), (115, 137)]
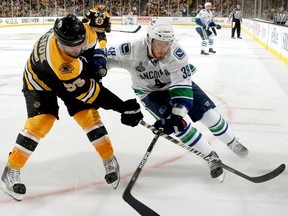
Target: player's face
[(208, 7), (73, 51), (101, 6), (160, 48)]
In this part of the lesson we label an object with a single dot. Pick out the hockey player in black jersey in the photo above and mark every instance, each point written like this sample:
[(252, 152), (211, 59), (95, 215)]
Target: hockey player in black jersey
[(99, 19), (64, 64)]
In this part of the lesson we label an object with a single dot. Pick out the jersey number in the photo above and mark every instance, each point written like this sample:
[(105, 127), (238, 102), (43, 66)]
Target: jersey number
[(186, 71), (72, 86), (159, 84)]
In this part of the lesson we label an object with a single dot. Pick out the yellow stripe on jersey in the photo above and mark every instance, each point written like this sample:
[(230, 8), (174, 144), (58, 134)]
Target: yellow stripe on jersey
[(91, 37), (32, 80), (91, 95)]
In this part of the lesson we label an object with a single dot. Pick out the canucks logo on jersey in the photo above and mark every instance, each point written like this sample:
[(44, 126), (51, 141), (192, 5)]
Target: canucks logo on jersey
[(179, 53)]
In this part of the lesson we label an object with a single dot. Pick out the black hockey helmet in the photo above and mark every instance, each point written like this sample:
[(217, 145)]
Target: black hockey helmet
[(69, 30)]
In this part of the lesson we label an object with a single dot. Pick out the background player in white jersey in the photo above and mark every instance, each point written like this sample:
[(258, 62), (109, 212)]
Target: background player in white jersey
[(162, 78), (204, 21)]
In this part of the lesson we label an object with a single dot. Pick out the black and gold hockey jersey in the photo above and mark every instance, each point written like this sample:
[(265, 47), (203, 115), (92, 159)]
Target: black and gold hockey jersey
[(100, 21), (50, 69)]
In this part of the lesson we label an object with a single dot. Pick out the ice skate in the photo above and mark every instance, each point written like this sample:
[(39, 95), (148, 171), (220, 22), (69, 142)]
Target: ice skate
[(238, 148), (216, 171), (112, 172), (204, 53), (212, 51), (11, 183)]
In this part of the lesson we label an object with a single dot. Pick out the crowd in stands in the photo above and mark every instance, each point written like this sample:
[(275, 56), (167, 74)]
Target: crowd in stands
[(220, 8), (33, 8)]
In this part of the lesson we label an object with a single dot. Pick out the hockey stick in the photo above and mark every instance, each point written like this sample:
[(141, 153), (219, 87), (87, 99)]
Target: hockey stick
[(141, 208), (258, 179), (127, 31)]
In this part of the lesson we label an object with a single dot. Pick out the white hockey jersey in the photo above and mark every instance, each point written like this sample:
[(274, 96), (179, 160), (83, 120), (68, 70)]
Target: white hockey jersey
[(171, 73), (205, 16)]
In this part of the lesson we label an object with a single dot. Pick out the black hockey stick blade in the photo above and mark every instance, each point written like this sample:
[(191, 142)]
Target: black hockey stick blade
[(141, 208), (127, 31), (258, 179)]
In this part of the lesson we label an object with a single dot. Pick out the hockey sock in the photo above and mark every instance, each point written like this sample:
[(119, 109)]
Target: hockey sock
[(102, 43), (90, 121), (25, 146), (203, 44), (194, 139), (211, 42), (218, 126)]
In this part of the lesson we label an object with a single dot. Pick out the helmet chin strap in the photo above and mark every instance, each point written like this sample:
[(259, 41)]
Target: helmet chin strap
[(149, 44)]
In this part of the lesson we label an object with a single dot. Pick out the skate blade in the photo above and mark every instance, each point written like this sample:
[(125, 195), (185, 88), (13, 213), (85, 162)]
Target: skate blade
[(115, 183), (17, 197), (222, 176)]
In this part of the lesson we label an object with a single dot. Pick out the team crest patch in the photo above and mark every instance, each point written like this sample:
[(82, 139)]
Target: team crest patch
[(125, 49), (66, 68), (140, 67), (179, 53)]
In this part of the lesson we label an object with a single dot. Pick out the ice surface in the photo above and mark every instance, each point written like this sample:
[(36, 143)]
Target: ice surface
[(65, 175)]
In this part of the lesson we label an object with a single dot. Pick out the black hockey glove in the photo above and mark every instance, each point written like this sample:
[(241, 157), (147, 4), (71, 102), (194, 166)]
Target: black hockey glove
[(108, 30), (214, 31), (175, 122), (218, 27), (85, 20), (131, 114), (98, 62)]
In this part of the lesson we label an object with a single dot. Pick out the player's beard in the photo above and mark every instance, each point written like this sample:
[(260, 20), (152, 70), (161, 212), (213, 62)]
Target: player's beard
[(159, 55), (75, 53)]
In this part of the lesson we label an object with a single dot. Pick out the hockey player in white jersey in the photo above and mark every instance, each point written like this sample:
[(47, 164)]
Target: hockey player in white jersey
[(204, 21), (162, 78)]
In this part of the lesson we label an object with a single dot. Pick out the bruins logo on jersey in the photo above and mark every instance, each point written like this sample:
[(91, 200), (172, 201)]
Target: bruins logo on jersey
[(99, 20), (66, 68)]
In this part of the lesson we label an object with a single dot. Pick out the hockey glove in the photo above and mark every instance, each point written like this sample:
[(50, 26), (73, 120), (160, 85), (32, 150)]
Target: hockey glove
[(204, 27), (98, 62), (218, 27), (131, 114), (175, 123), (108, 30), (214, 31), (85, 20)]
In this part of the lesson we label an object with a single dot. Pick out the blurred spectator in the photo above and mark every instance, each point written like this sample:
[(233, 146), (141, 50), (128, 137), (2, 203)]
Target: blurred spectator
[(281, 17)]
